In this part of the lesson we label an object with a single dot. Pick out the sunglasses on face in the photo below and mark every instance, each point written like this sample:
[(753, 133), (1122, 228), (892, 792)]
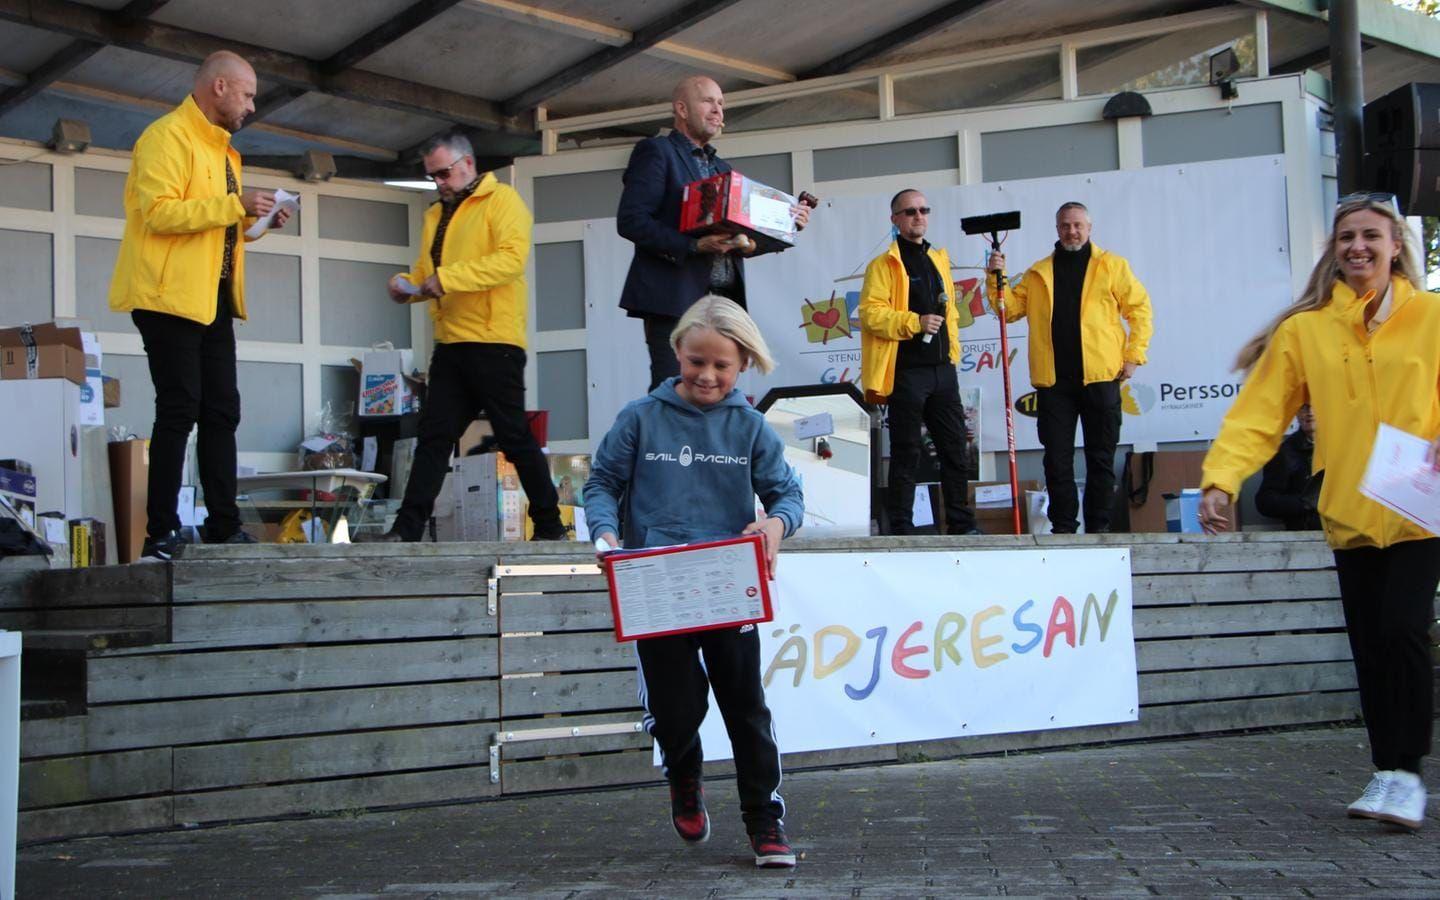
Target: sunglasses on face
[(913, 211), (442, 174), (1369, 197)]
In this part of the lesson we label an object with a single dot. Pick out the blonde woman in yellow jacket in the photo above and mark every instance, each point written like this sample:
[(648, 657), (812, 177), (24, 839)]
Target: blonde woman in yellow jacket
[(1362, 346), (909, 347), (180, 273), (471, 271)]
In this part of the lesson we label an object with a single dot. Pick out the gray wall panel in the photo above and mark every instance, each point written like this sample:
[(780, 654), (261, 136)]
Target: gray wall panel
[(272, 298), (772, 169), (271, 411), (559, 286), (1213, 134), (136, 412), (1054, 150), (100, 192), (94, 264), (355, 307), (25, 186), (874, 160), (583, 195), (27, 286), (339, 387), (368, 221), (561, 377)]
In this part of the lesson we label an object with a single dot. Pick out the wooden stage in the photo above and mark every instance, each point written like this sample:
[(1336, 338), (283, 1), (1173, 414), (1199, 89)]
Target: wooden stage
[(254, 682)]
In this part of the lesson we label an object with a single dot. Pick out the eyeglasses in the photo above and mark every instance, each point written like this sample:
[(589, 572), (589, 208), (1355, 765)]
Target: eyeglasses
[(442, 174), (913, 211)]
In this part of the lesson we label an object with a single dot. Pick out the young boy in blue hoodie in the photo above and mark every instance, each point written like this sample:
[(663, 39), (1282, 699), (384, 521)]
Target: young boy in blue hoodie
[(686, 463)]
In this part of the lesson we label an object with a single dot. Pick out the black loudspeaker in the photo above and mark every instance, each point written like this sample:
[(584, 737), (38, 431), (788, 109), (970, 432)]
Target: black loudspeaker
[(1413, 176), (1404, 119)]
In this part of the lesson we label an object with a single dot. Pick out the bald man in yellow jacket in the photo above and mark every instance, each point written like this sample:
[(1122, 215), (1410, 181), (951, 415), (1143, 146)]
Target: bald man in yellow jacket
[(180, 274)]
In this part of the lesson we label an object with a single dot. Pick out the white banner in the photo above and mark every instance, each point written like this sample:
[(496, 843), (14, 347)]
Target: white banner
[(879, 648), (1208, 240)]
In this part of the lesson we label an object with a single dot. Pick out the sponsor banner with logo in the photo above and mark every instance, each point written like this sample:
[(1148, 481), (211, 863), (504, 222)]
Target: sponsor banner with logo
[(1208, 240), (965, 643)]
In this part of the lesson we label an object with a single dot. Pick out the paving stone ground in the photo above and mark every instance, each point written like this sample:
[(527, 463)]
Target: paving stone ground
[(1246, 816)]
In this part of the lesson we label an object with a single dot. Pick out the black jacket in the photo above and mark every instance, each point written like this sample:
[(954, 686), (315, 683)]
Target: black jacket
[(1287, 489)]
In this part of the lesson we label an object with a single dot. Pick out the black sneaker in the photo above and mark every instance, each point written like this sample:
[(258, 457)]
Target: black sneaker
[(772, 848), (550, 531), (162, 549), (241, 537), (687, 810), (378, 537)]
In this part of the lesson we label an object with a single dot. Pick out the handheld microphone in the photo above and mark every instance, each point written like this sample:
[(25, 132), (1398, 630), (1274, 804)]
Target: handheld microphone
[(940, 299)]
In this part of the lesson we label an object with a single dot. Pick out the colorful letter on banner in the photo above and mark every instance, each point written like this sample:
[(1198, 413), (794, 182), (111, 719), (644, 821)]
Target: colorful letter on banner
[(881, 648)]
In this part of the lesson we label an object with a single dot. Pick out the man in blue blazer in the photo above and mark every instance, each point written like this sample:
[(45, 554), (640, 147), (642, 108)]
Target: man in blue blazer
[(671, 270)]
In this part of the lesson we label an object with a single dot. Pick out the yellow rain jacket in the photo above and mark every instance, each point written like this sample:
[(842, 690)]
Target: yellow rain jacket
[(1111, 292), (482, 267), (1353, 381), (886, 319), (176, 213)]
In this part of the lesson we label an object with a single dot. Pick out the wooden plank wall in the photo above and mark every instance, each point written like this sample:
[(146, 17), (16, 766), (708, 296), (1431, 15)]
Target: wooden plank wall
[(314, 680)]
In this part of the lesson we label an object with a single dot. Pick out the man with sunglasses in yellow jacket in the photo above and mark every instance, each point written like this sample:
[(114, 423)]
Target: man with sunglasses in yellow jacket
[(1090, 325), (471, 271), (180, 274), (909, 346)]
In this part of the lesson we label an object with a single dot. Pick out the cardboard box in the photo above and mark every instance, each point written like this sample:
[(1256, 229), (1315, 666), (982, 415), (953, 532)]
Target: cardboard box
[(733, 204), (87, 543), (385, 388), (991, 502), (18, 489), (110, 388), (129, 478), (1182, 512), (475, 487), (42, 351), (50, 440), (56, 531)]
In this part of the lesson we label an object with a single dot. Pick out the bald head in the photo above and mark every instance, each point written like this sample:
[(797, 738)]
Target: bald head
[(225, 89), (699, 107)]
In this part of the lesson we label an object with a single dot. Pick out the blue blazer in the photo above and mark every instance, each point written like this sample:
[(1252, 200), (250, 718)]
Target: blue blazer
[(665, 277)]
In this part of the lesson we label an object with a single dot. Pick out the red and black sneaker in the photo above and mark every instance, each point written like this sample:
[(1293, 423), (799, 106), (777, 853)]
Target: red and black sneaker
[(772, 848), (687, 810)]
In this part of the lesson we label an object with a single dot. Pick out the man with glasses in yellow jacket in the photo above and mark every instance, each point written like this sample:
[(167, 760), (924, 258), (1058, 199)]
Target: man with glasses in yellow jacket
[(180, 274), (1090, 325), (471, 270)]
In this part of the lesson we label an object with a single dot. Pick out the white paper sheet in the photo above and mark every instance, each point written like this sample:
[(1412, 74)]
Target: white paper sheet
[(406, 286), (1398, 477), (283, 200)]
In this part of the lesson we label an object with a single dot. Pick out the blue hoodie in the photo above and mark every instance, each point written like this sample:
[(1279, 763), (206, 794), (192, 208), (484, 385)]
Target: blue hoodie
[(688, 473)]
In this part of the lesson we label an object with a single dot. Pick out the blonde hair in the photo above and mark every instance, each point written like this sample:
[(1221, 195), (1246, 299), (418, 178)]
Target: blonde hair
[(1320, 287), (730, 319)]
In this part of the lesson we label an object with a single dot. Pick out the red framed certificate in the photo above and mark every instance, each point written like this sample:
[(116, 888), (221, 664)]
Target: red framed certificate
[(690, 587)]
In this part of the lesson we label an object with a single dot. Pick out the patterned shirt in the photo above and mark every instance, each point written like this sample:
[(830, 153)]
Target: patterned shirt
[(722, 269), (447, 212), (232, 234)]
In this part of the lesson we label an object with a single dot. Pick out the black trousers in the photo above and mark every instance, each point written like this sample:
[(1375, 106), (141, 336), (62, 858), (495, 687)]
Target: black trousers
[(928, 394), (1097, 406), (465, 380), (193, 369), (663, 362), (1389, 597), (673, 683)]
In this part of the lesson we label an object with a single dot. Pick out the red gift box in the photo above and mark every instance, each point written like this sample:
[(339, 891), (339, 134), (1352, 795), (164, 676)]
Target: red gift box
[(733, 204)]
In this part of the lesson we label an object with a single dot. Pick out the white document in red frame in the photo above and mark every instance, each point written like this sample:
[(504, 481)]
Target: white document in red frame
[(689, 587)]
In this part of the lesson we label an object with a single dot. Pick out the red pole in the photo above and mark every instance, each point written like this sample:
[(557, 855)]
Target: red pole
[(1009, 403)]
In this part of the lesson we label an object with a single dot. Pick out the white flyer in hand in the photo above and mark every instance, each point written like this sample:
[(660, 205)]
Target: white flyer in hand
[(1398, 477), (283, 200), (406, 286)]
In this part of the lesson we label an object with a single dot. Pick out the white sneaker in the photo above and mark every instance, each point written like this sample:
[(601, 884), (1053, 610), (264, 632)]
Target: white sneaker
[(1368, 806), (1404, 801)]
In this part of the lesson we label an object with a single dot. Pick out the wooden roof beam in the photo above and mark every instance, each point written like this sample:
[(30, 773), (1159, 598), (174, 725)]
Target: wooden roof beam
[(911, 31)]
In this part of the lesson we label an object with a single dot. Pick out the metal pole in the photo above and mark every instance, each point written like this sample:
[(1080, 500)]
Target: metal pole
[(1348, 92)]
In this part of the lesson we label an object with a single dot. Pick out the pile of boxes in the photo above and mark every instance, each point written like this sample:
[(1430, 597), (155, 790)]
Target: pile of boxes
[(53, 471)]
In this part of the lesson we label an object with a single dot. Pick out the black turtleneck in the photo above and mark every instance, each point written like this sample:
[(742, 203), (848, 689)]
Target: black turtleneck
[(926, 286), (1070, 266)]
